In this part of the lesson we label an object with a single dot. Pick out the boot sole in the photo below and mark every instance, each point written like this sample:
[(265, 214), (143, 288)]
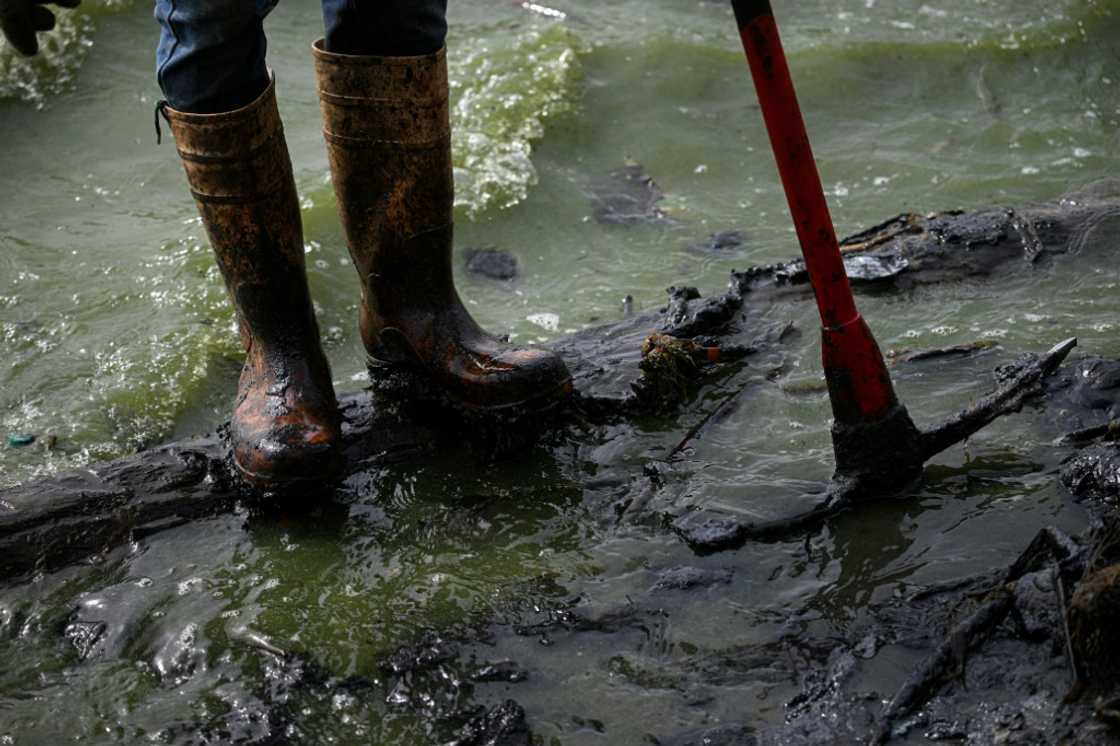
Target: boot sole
[(531, 405), (263, 483)]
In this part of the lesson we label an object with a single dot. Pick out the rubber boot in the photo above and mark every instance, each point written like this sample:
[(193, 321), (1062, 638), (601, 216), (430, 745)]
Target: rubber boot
[(385, 120), (285, 428)]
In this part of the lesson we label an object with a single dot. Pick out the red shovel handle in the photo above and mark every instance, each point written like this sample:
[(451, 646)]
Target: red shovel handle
[(795, 160), (859, 384)]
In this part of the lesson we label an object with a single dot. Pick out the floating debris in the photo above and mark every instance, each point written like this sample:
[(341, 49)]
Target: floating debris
[(669, 366), (497, 264), (628, 306), (968, 348), (722, 242), (628, 196)]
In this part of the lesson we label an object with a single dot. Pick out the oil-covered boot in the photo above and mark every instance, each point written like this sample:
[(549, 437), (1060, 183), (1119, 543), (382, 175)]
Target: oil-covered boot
[(389, 142), (285, 424)]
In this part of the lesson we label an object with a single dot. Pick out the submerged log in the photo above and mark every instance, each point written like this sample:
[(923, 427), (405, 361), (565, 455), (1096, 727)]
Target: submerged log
[(53, 522)]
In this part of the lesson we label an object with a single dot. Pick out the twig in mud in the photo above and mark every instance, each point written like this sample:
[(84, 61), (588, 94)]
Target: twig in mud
[(696, 429), (1063, 607), (949, 655), (986, 580), (653, 480), (1108, 432), (945, 660), (877, 235), (1007, 399), (1048, 542)]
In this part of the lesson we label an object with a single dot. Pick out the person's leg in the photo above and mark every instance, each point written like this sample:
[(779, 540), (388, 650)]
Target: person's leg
[(210, 56), (391, 28), (384, 96), (227, 129)]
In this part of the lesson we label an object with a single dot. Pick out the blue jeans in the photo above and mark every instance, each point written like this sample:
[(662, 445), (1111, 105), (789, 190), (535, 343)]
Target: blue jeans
[(210, 57)]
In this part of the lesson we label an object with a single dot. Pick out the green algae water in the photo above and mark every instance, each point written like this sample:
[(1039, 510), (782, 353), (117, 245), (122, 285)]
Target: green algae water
[(116, 335)]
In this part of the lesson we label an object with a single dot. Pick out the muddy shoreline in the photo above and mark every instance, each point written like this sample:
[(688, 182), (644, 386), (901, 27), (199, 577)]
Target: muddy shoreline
[(962, 688)]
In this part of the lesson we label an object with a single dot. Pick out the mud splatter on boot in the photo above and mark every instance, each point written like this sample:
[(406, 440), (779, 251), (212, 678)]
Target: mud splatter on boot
[(285, 425), (389, 141)]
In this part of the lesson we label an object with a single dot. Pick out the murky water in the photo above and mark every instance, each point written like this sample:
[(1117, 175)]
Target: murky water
[(115, 334)]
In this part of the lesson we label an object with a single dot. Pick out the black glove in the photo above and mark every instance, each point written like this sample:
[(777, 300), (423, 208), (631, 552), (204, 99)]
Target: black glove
[(20, 19)]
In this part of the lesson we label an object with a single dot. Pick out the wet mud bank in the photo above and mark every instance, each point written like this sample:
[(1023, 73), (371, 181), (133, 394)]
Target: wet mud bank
[(656, 362), (697, 359)]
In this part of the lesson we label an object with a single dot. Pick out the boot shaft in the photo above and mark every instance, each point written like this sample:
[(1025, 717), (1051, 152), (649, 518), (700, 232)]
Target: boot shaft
[(240, 176), (285, 426), (388, 134)]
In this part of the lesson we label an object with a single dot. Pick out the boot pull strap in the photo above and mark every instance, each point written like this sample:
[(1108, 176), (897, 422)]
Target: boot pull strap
[(161, 109)]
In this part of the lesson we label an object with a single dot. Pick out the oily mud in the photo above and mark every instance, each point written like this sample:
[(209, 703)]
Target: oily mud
[(477, 680), (728, 340)]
